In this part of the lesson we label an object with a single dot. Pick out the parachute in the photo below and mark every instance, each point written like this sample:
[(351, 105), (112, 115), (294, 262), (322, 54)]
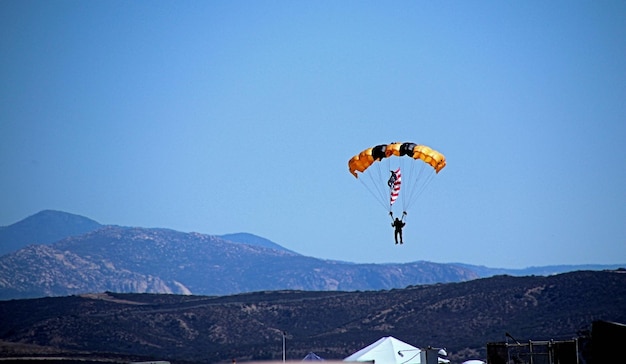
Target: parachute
[(412, 167)]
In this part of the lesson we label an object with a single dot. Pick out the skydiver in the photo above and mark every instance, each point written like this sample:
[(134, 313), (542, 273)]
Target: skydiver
[(392, 179), (398, 225)]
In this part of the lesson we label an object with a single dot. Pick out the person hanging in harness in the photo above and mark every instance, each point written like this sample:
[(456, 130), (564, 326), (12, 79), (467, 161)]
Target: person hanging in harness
[(398, 224)]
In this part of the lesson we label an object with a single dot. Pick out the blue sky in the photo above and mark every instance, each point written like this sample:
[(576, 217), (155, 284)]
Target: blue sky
[(222, 116)]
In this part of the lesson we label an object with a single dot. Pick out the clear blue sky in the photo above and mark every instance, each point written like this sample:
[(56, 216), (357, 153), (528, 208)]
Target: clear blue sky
[(224, 116)]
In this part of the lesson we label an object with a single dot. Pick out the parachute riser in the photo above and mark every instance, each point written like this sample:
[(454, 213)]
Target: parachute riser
[(404, 214)]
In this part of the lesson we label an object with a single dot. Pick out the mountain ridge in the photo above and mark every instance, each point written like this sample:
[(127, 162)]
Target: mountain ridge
[(158, 260), (44, 227), (167, 261)]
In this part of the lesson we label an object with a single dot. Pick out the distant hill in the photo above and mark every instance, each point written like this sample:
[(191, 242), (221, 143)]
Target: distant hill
[(462, 317), (123, 259), (485, 272), (75, 255), (44, 227), (49, 226)]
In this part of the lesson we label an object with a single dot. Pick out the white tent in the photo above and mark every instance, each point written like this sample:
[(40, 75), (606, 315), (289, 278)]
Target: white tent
[(312, 357), (388, 350)]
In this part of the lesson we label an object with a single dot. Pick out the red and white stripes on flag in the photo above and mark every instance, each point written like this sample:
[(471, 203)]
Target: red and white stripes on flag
[(395, 188)]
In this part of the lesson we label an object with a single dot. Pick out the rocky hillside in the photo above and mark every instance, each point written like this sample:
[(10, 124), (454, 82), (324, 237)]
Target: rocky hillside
[(89, 257), (123, 259)]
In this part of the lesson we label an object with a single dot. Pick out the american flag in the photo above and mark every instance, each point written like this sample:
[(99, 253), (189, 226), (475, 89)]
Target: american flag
[(395, 187)]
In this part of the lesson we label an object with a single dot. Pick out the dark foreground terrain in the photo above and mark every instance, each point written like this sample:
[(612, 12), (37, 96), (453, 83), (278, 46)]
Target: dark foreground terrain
[(462, 317)]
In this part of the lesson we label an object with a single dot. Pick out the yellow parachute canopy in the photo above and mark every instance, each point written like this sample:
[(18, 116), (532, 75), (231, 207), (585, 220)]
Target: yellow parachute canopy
[(362, 161)]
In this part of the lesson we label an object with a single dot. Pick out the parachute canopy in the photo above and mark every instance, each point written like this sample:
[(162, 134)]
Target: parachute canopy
[(362, 161), (412, 166)]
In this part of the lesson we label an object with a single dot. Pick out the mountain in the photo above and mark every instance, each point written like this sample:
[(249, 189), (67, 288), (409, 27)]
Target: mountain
[(462, 317), (76, 255), (123, 259), (49, 226), (44, 227)]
